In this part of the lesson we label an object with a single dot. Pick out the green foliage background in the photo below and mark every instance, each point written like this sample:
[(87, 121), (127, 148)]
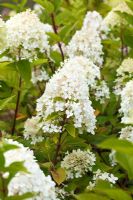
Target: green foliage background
[(69, 16)]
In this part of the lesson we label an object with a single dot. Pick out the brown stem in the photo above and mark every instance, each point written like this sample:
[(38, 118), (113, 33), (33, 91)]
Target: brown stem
[(59, 142), (17, 105), (124, 49), (56, 32), (3, 189), (57, 150)]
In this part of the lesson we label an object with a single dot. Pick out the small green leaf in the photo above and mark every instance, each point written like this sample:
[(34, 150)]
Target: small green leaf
[(5, 102), (25, 70), (38, 62), (59, 175), (70, 129), (54, 37), (52, 116)]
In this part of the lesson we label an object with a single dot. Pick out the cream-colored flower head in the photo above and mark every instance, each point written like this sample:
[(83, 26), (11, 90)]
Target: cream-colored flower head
[(113, 19), (126, 66), (27, 35)]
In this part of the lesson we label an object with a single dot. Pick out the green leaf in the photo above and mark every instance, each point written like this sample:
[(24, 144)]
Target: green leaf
[(24, 70), (54, 37), (115, 194), (4, 102), (59, 175), (130, 4), (46, 5), (90, 196), (4, 146), (52, 116), (126, 161), (38, 62), (9, 74), (8, 5), (128, 37), (122, 146), (14, 168), (70, 129), (2, 161), (23, 3), (56, 56), (21, 197)]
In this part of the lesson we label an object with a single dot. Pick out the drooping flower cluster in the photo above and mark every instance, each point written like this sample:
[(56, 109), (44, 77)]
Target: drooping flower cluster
[(99, 175), (34, 181), (26, 35), (67, 93), (113, 19), (78, 162), (3, 36), (87, 41)]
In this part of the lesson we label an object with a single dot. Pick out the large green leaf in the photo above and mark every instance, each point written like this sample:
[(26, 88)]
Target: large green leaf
[(122, 146), (9, 74), (91, 196), (126, 161)]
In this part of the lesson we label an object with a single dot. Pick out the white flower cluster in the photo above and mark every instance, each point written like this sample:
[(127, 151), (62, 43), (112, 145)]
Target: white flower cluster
[(3, 36), (127, 103), (39, 75), (112, 19), (101, 91), (127, 133), (124, 74), (70, 86), (78, 162), (26, 35), (87, 41), (99, 175), (67, 92), (34, 181)]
